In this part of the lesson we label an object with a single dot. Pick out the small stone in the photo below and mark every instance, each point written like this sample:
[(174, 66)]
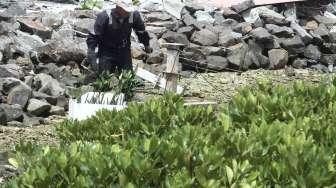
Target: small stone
[(312, 25), (278, 58), (300, 63), (15, 124), (38, 107), (243, 28)]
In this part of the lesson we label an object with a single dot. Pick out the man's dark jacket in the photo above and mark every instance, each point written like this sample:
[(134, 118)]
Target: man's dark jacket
[(113, 39)]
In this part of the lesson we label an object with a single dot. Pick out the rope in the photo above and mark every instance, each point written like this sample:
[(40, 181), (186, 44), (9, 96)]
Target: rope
[(207, 69)]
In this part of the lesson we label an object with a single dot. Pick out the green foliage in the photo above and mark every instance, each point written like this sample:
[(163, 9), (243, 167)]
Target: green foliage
[(127, 84), (135, 2), (268, 136), (104, 82), (91, 4)]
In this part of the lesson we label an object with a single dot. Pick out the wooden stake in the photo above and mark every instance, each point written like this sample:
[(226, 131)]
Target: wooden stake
[(172, 69)]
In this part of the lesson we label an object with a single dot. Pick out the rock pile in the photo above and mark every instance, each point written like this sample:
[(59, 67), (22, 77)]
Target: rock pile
[(40, 59), (248, 37)]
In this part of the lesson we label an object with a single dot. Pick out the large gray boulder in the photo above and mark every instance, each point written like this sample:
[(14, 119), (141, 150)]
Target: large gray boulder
[(204, 17), (261, 35), (48, 85), (312, 52), (188, 20), (158, 16), (229, 13), (35, 27), (158, 31), (3, 117), (325, 20), (62, 51), (84, 25), (19, 95), (305, 36), (38, 108), (6, 27), (10, 70), (6, 84), (243, 5), (278, 58), (229, 38), (26, 44), (213, 51), (217, 63), (228, 24), (293, 45), (323, 32), (236, 55), (13, 112), (193, 58), (174, 37), (188, 31), (56, 110), (205, 37), (13, 11), (254, 58), (328, 59), (300, 63), (279, 31)]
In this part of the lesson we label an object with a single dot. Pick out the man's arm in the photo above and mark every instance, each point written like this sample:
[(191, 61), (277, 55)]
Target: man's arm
[(95, 37), (139, 28), (96, 33)]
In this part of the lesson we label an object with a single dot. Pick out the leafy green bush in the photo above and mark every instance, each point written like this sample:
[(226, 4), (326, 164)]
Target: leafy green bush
[(269, 136), (91, 4)]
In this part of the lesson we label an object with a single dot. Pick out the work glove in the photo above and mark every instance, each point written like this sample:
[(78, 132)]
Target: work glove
[(148, 49), (92, 59)]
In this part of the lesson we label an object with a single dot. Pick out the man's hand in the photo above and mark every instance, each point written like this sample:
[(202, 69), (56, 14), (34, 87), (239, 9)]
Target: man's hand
[(148, 49)]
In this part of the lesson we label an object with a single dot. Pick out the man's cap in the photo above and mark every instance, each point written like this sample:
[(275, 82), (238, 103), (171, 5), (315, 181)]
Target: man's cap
[(127, 7)]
